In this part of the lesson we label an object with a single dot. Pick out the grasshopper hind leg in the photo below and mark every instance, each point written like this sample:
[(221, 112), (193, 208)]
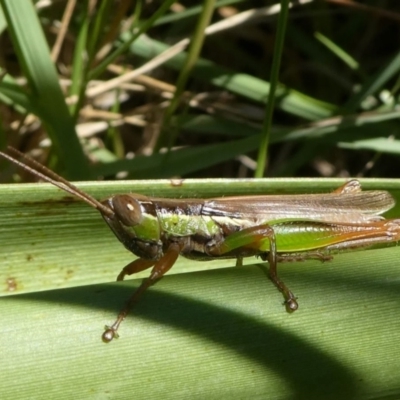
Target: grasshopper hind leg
[(290, 302), (262, 238)]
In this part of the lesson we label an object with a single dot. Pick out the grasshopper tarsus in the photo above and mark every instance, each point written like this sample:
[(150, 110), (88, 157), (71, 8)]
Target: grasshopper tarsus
[(291, 304), (110, 333)]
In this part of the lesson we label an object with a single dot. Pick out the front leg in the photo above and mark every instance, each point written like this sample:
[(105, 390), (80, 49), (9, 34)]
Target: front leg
[(161, 267), (260, 238)]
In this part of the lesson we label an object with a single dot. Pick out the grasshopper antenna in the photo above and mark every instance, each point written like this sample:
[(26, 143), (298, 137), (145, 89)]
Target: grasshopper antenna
[(48, 175)]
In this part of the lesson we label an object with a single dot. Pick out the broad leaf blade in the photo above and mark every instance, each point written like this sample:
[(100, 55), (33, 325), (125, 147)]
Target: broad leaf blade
[(211, 334)]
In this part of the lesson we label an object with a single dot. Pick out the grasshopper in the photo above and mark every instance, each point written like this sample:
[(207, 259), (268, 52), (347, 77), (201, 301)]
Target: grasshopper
[(275, 228)]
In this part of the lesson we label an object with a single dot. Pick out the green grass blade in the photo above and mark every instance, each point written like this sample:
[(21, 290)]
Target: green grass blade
[(338, 51), (262, 159), (290, 100), (169, 135), (210, 334), (45, 91), (375, 83), (179, 162)]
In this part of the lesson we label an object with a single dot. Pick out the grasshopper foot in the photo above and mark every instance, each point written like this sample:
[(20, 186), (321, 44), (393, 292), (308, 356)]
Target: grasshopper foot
[(291, 304), (110, 333)]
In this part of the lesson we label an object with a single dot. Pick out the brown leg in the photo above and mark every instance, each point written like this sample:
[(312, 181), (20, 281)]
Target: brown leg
[(261, 237), (239, 262), (135, 266), (162, 266), (290, 300)]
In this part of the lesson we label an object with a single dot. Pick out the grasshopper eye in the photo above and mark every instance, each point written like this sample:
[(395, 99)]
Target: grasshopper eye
[(127, 210)]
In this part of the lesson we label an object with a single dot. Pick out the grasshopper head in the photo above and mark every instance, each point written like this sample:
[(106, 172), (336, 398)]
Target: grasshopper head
[(135, 224), (127, 209)]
